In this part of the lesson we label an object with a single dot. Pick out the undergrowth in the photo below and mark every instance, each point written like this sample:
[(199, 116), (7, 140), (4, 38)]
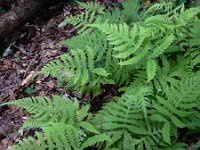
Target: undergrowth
[(1, 10), (152, 53)]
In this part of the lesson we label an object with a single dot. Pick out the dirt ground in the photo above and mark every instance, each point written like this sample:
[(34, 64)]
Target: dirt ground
[(35, 47)]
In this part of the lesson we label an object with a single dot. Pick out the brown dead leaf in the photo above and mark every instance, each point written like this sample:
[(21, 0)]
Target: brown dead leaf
[(50, 84), (4, 143)]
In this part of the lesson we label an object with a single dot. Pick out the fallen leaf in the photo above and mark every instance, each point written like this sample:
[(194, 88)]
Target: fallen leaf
[(50, 84)]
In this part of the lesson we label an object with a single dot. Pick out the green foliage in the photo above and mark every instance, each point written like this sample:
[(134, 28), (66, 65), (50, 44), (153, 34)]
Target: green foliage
[(30, 90), (2, 10), (79, 69), (63, 124), (121, 48), (90, 15), (151, 53), (145, 120)]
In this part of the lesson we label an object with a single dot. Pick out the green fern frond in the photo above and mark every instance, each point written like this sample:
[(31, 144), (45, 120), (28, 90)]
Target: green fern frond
[(130, 12), (151, 54), (151, 69), (152, 10), (189, 14), (126, 41), (142, 101), (195, 34), (95, 40), (91, 14), (185, 95), (95, 139), (163, 46), (43, 110), (31, 143), (181, 103), (75, 67), (125, 115), (114, 16), (160, 23), (166, 132), (59, 136), (63, 124), (91, 6)]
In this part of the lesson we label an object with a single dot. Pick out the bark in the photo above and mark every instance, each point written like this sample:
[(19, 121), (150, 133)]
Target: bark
[(17, 17)]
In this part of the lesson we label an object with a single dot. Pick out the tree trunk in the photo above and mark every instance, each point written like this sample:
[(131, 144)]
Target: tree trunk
[(18, 16)]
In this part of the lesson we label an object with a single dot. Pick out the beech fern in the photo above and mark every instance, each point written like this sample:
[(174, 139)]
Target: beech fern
[(151, 53)]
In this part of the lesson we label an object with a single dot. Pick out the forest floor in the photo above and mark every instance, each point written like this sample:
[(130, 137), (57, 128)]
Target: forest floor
[(37, 44), (25, 56)]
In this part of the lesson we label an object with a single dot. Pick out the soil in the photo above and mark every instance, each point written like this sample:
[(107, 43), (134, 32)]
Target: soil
[(36, 46)]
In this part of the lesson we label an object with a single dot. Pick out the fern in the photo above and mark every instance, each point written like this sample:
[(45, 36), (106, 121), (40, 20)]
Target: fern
[(77, 69), (90, 15), (62, 126), (181, 105), (166, 132), (116, 49), (124, 116), (155, 8), (195, 34), (130, 12), (120, 36), (150, 53), (124, 122), (90, 7), (151, 69)]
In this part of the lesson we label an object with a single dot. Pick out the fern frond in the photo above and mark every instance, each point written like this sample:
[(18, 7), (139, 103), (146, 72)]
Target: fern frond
[(160, 23), (95, 139), (163, 46), (181, 103), (78, 68), (126, 41), (195, 34), (91, 6), (43, 110), (130, 12), (59, 136), (151, 69), (95, 40), (62, 124), (166, 132), (188, 14), (125, 115), (185, 95), (89, 127), (91, 14), (113, 16), (158, 7), (31, 143)]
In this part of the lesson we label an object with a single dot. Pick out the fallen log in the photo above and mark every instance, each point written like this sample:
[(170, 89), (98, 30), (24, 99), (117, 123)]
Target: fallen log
[(18, 16)]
